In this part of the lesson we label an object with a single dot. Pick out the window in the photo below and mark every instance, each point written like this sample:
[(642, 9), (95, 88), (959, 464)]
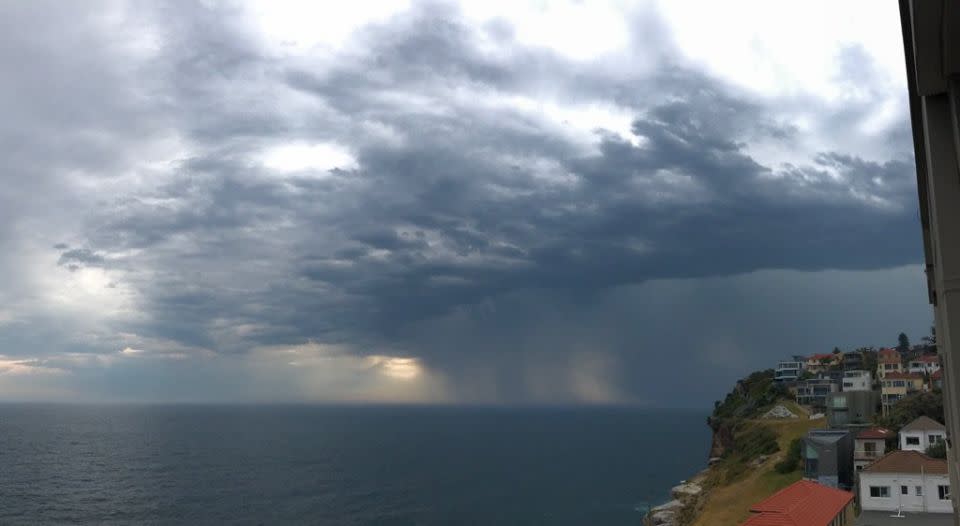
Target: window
[(904, 490), (935, 438), (918, 490), (881, 492), (944, 492), (913, 441), (870, 447)]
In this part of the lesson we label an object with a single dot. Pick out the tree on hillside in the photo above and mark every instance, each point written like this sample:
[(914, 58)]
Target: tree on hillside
[(750, 394), (912, 406), (836, 350), (903, 343), (869, 359)]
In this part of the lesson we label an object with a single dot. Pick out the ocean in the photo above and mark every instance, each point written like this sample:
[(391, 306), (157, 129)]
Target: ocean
[(119, 464)]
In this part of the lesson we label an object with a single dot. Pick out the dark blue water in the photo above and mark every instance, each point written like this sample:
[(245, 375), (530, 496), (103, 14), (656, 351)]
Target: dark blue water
[(340, 466)]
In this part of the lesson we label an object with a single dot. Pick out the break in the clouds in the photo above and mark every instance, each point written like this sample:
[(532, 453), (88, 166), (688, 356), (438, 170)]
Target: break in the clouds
[(546, 203)]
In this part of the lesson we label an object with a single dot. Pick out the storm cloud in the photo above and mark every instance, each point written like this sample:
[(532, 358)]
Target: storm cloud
[(433, 209)]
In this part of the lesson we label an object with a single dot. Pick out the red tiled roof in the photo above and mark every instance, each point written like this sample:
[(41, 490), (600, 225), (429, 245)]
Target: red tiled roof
[(888, 356), (907, 462), (928, 359), (902, 376), (936, 375), (875, 432), (818, 357), (802, 503)]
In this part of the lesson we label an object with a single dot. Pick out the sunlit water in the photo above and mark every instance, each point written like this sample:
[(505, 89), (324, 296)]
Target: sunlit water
[(340, 466)]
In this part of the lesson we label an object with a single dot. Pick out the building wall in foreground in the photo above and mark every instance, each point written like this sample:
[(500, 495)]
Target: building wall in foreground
[(927, 502)]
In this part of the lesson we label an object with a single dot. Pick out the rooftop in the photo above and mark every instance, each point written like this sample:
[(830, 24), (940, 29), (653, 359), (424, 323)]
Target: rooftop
[(802, 503), (888, 356), (818, 357), (931, 358), (924, 423), (826, 436), (907, 462), (875, 432)]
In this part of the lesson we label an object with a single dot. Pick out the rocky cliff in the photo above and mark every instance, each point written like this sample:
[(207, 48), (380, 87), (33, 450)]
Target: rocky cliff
[(688, 499)]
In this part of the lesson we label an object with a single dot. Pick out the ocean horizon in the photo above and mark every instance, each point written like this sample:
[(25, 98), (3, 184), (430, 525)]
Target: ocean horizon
[(342, 464)]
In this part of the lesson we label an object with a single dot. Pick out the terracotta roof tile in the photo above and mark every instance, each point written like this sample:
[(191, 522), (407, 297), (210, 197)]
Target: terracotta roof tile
[(907, 462), (802, 503), (888, 356), (903, 376), (818, 357), (875, 432)]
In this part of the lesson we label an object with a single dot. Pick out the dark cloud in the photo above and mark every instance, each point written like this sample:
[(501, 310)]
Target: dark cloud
[(76, 257), (465, 210)]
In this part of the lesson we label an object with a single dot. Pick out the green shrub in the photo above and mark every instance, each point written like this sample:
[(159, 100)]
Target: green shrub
[(752, 393), (755, 440), (791, 461), (937, 450)]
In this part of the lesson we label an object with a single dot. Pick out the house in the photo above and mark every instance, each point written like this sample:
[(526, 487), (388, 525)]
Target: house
[(936, 379), (814, 391), (869, 445), (888, 361), (907, 481), (852, 360), (852, 408), (922, 433), (788, 371), (857, 380), (926, 364), (821, 362), (828, 457), (803, 503), (895, 386)]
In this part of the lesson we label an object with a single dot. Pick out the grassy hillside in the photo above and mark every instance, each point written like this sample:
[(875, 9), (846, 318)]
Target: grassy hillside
[(736, 485)]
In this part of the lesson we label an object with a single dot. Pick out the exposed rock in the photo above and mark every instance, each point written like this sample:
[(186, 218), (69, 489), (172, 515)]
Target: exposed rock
[(686, 491), (688, 499), (780, 411), (662, 518), (673, 506), (757, 462), (713, 460), (722, 437), (816, 416)]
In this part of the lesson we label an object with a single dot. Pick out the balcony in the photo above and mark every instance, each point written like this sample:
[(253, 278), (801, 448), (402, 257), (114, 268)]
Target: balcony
[(863, 454)]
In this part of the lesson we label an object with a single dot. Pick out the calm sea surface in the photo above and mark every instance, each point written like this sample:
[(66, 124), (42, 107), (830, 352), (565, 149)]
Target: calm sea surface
[(340, 465)]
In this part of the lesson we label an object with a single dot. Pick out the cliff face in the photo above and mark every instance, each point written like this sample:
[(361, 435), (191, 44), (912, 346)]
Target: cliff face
[(722, 439), (688, 499), (748, 396)]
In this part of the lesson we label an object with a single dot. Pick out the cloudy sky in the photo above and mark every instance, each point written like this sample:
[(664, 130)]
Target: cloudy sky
[(497, 202)]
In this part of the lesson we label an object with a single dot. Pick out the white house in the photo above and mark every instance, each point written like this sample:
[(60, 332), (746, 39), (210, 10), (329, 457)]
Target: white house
[(788, 371), (908, 481), (921, 434), (857, 381), (928, 364), (869, 445)]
